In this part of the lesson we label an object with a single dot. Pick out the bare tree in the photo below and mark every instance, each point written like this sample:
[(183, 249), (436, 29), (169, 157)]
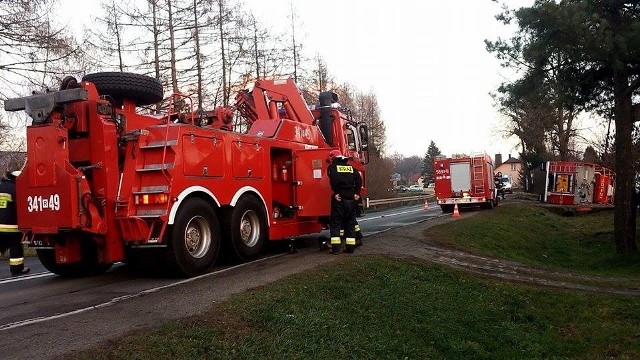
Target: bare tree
[(294, 44), (32, 47), (368, 111), (378, 180)]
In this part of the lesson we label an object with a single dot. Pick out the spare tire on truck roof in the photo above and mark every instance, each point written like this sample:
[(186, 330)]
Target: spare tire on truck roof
[(142, 89)]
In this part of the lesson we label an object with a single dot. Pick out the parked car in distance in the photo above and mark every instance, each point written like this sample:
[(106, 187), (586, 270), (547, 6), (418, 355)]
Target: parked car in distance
[(431, 185), (506, 184), (416, 188)]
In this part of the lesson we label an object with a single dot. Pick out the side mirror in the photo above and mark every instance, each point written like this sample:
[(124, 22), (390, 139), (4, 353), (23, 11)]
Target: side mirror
[(364, 136), (363, 131)]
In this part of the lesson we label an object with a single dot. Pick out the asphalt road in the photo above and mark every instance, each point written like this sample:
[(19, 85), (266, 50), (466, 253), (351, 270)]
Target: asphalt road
[(44, 316)]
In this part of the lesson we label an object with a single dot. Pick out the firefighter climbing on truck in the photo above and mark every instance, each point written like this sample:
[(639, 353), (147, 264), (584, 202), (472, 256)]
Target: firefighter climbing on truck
[(106, 182)]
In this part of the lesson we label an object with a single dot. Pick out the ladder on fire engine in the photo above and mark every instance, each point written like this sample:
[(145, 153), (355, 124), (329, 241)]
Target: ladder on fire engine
[(479, 176), (153, 161), (157, 156)]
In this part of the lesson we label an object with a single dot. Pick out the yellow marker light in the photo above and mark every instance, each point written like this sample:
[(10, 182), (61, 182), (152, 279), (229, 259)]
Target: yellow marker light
[(162, 198), (150, 199)]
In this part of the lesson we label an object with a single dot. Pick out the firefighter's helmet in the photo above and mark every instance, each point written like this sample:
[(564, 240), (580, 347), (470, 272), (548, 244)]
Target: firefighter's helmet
[(333, 154), (13, 169)]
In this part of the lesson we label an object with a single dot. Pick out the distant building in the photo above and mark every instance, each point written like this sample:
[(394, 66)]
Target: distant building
[(510, 167), (416, 179), (395, 178)]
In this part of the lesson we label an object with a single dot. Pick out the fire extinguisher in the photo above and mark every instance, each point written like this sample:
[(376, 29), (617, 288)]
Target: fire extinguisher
[(274, 172), (285, 176)]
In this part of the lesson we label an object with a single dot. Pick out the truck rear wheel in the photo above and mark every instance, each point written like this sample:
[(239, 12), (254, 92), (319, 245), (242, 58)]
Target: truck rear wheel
[(446, 208), (88, 266), (48, 260), (247, 228), (142, 89), (489, 204), (194, 238)]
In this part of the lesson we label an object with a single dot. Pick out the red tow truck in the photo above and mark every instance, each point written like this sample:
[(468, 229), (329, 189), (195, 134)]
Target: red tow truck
[(466, 181), (109, 180)]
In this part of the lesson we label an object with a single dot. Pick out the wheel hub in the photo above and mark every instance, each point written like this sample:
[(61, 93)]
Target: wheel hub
[(197, 237), (250, 228)]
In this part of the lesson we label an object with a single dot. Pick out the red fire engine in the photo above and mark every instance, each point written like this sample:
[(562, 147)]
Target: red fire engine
[(465, 181), (578, 183), (106, 181)]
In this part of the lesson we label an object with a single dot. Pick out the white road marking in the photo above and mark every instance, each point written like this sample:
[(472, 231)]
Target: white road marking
[(26, 277), (116, 300), (386, 215)]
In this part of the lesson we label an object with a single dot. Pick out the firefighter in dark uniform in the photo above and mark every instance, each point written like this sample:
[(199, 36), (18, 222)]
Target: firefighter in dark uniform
[(346, 184), (357, 229), (10, 235), (499, 184)]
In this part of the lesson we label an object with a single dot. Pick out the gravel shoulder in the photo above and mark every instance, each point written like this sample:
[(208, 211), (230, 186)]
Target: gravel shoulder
[(410, 242)]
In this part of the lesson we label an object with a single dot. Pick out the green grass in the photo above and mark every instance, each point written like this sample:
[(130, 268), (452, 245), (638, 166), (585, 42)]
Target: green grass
[(382, 308), (535, 235), (376, 307)]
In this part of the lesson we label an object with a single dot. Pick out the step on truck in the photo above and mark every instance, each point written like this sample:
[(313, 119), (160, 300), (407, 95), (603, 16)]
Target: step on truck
[(109, 178), (466, 181)]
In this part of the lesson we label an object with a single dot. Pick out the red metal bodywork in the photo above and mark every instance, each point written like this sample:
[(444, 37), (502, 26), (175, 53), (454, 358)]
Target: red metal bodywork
[(578, 183), (464, 181), (90, 178)]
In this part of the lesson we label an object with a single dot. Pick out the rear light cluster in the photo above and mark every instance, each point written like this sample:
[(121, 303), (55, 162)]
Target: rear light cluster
[(151, 199)]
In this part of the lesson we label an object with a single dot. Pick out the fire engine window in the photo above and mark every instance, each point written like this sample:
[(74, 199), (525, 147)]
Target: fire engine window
[(351, 138), (563, 183)]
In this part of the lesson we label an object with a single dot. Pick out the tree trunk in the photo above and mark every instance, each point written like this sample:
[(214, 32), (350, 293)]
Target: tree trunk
[(156, 45), (116, 27), (255, 47), (172, 50), (295, 52), (197, 50), (624, 221), (225, 94)]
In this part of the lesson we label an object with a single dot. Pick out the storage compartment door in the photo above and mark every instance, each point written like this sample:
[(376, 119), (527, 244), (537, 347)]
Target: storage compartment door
[(311, 184)]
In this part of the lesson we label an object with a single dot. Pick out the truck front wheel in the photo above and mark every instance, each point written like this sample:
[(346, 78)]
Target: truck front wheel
[(246, 228), (194, 238)]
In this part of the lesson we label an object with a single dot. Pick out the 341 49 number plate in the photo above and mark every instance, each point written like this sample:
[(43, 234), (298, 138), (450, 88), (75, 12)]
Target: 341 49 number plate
[(40, 203)]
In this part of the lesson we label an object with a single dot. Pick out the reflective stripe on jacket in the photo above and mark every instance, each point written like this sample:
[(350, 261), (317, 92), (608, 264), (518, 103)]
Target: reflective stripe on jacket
[(8, 215), (8, 228)]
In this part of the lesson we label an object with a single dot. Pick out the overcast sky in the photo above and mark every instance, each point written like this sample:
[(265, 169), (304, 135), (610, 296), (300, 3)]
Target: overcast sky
[(425, 60)]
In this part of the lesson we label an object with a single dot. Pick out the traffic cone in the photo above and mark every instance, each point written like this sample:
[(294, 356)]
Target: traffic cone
[(426, 205), (456, 213)]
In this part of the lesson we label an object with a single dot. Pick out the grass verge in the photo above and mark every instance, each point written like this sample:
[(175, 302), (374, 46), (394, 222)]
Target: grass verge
[(535, 235), (377, 307)]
